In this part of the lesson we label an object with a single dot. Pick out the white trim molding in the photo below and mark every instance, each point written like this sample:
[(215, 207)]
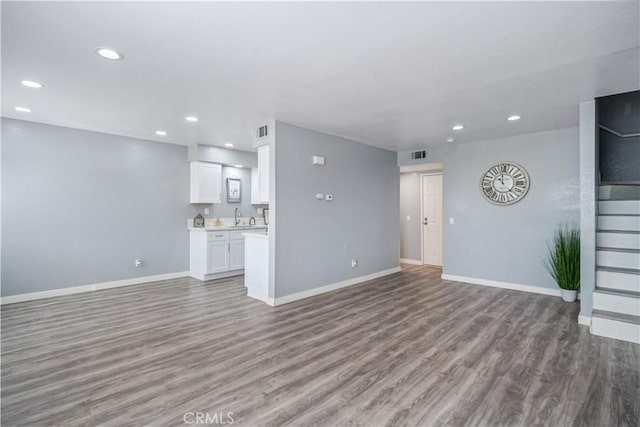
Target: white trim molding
[(12, 299), (215, 276), (410, 261), (261, 296), (332, 287), (503, 285), (619, 134), (584, 320)]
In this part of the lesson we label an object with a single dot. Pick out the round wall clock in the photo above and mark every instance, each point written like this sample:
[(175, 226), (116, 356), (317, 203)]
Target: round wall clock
[(504, 183)]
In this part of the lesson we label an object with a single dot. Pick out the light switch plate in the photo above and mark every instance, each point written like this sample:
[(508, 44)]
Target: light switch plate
[(318, 160), (408, 217), (452, 221)]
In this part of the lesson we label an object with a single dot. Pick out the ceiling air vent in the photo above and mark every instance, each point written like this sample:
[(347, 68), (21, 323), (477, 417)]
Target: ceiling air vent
[(262, 131), (419, 154)]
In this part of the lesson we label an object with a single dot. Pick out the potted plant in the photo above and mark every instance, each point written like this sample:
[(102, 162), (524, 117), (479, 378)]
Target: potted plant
[(563, 261)]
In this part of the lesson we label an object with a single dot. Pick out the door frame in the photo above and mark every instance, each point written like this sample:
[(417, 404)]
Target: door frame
[(422, 175)]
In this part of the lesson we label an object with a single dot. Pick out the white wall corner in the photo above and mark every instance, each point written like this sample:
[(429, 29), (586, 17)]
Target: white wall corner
[(584, 320)]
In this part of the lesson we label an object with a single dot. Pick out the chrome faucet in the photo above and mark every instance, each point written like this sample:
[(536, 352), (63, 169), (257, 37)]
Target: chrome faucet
[(237, 217)]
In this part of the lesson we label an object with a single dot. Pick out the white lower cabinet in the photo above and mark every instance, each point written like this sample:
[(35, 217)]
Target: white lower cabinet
[(215, 254), (217, 257), (236, 254)]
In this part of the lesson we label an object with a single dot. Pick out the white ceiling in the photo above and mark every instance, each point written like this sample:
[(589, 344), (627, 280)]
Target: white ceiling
[(393, 75)]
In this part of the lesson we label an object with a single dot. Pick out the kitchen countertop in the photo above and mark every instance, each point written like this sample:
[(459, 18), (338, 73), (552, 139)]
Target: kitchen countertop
[(229, 228)]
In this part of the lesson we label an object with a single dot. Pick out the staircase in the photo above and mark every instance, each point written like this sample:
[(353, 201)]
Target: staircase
[(616, 299)]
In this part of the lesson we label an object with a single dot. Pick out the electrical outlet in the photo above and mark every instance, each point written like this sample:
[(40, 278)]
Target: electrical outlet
[(354, 263), (139, 263), (408, 217), (452, 221), (206, 211)]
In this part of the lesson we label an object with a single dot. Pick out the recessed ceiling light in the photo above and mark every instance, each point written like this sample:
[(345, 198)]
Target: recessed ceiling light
[(238, 166), (31, 83), (191, 119), (23, 109), (450, 139), (228, 144), (513, 118), (109, 54), (161, 132), (457, 127)]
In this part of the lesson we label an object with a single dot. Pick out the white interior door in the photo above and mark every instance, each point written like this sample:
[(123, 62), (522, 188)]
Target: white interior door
[(432, 219)]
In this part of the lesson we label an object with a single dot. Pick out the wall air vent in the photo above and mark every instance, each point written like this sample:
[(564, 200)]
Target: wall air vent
[(419, 155), (262, 131)]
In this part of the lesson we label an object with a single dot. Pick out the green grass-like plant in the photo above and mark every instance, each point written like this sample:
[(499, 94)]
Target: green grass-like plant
[(563, 260)]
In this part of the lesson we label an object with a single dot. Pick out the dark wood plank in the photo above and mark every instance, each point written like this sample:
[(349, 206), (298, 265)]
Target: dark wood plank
[(407, 349)]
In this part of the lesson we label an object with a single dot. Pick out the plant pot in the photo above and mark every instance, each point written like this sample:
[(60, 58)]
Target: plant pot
[(568, 296)]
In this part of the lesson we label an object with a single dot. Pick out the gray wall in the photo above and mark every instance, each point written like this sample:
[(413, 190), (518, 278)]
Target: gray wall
[(79, 207), (410, 199), (227, 210), (619, 158), (506, 243), (316, 240)]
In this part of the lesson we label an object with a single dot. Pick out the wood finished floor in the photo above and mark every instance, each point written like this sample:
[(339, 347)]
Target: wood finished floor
[(407, 349)]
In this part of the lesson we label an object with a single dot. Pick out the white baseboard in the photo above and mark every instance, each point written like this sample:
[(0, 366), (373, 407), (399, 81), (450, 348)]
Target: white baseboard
[(88, 288), (410, 261), (206, 277), (334, 286), (261, 296), (584, 320), (504, 285)]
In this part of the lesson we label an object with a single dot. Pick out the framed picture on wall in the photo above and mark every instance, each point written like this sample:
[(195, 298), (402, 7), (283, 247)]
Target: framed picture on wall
[(234, 186)]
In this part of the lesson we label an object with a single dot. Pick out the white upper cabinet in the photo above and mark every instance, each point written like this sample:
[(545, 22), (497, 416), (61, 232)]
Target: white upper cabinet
[(255, 186), (263, 174), (206, 182)]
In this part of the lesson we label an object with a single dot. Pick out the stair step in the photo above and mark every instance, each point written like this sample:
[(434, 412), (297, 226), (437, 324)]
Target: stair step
[(622, 279), (617, 301), (619, 192), (620, 258), (615, 325), (617, 316), (619, 222), (630, 207), (621, 250), (618, 292), (620, 240)]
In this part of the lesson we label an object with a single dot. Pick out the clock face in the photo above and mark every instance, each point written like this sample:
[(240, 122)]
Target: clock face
[(505, 183)]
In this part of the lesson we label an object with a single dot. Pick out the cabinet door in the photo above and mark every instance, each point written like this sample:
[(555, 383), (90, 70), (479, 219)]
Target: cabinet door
[(255, 186), (263, 173), (236, 255), (217, 257), (206, 182)]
